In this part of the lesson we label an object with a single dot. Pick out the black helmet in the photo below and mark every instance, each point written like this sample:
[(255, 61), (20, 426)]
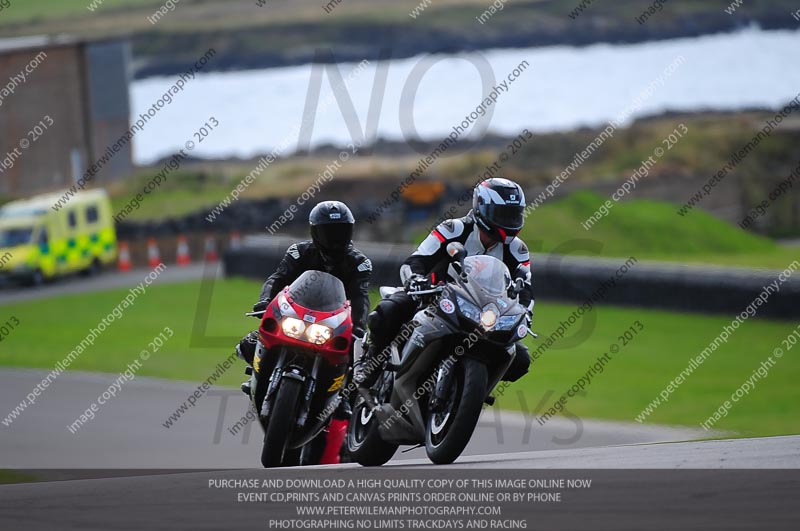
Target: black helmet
[(331, 226), (498, 206)]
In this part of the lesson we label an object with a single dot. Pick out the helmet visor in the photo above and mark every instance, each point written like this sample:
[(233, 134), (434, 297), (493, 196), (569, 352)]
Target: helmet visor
[(507, 217), (333, 236)]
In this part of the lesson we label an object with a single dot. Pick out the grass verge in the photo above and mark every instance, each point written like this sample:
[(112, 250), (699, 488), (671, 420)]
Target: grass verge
[(650, 230), (635, 376), (8, 477)]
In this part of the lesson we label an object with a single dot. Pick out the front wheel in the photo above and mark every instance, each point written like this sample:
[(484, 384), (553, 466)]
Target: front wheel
[(311, 453), (281, 419), (448, 431)]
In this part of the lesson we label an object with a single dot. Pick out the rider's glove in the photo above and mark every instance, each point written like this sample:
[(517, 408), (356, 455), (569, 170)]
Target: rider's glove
[(417, 283), (260, 306), (512, 291)]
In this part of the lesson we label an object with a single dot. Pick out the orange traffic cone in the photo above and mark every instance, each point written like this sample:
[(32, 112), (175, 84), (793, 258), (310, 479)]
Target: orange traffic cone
[(124, 263), (236, 241), (153, 254), (211, 249), (183, 257)]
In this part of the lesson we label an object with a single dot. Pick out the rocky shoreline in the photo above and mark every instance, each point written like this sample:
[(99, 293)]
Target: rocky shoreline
[(162, 54)]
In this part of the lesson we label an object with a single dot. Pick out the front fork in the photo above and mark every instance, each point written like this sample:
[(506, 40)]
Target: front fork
[(279, 373), (444, 383)]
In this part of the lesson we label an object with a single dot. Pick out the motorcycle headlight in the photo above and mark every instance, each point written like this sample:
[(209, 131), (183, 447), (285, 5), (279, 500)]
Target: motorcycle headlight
[(293, 327), (469, 310), (507, 322), (318, 334), (488, 318)]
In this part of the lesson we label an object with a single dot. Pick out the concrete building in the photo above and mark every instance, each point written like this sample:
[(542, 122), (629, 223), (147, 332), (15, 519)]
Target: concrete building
[(63, 103)]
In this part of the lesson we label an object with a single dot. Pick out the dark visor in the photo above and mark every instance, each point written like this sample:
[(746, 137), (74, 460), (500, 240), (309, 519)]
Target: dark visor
[(506, 216), (334, 235)]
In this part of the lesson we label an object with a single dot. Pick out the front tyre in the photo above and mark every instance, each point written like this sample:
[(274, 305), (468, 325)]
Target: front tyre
[(449, 430), (279, 432), (311, 453)]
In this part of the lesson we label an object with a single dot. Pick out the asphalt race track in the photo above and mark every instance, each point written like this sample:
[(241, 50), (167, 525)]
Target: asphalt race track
[(108, 280), (128, 432), (138, 474), (617, 499)]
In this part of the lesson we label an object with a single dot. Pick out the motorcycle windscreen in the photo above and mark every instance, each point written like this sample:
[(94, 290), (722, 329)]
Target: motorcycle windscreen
[(319, 291), (489, 273)]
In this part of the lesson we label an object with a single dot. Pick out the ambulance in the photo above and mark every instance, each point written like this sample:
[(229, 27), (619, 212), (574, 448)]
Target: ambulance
[(39, 243)]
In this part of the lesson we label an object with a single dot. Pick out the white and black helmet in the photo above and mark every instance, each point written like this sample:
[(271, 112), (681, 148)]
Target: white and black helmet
[(331, 226), (498, 206)]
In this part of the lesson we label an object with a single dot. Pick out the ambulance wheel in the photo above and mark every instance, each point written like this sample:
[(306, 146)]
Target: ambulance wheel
[(36, 279)]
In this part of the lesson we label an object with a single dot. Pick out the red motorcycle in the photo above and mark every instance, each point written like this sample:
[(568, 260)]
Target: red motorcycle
[(299, 368)]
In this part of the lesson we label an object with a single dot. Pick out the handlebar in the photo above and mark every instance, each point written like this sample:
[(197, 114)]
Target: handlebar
[(256, 314), (436, 289)]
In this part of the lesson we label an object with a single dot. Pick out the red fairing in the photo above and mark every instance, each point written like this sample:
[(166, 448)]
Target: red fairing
[(335, 350)]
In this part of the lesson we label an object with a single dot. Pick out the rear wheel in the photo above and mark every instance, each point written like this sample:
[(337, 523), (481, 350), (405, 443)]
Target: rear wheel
[(364, 442), (448, 431), (36, 278), (281, 420), (94, 269)]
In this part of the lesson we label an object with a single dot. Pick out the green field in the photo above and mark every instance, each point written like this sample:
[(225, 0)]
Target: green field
[(647, 230), (651, 230), (107, 16), (187, 192), (31, 12), (181, 194), (13, 476), (450, 15), (50, 329)]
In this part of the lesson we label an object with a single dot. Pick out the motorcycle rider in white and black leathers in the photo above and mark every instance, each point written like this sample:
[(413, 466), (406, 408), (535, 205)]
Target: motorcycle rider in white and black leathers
[(490, 228), (330, 250)]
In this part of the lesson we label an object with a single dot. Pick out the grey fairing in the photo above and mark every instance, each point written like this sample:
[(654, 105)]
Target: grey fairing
[(430, 328), (420, 353), (425, 348)]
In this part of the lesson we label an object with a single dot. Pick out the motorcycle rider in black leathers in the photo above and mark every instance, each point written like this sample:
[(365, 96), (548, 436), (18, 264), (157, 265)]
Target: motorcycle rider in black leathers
[(330, 250), (489, 228)]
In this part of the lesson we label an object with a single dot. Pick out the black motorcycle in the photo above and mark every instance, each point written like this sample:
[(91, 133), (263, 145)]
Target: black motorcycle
[(436, 381)]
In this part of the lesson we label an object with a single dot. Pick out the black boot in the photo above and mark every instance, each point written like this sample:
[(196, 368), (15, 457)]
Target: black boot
[(367, 370), (246, 349), (345, 410)]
